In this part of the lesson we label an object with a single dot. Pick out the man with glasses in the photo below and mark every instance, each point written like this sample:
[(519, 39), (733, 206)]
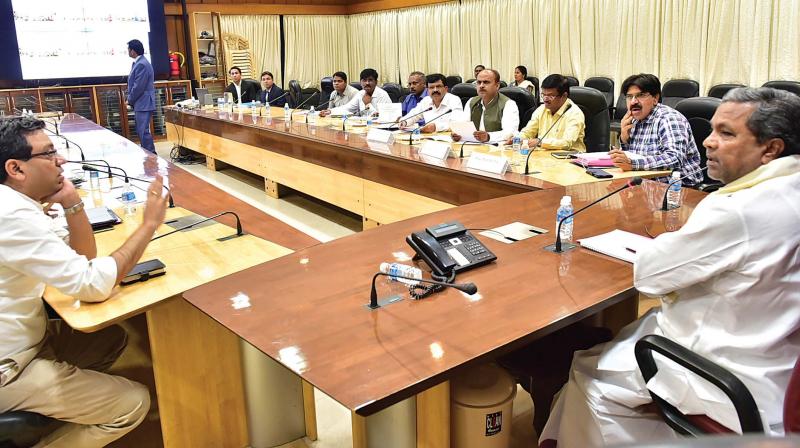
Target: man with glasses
[(558, 117), (365, 102), (46, 367), (342, 91), (441, 101), (417, 91), (658, 135), (495, 116), (141, 94)]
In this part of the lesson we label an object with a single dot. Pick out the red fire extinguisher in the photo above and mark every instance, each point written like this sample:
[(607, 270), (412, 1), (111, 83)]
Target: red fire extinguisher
[(174, 65)]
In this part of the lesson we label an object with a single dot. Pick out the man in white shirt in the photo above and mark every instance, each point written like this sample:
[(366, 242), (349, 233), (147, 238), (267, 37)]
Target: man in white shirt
[(45, 367), (342, 91), (439, 101), (243, 90), (366, 101), (496, 117), (729, 284)]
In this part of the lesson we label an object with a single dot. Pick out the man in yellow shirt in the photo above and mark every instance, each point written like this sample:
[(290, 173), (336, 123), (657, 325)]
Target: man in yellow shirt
[(558, 123)]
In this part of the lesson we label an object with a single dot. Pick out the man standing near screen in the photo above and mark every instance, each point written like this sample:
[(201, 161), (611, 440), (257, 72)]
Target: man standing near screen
[(141, 94)]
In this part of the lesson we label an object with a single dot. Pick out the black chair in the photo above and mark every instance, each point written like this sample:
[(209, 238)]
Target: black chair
[(295, 93), (699, 112), (789, 86), (525, 117), (573, 81), (620, 109), (503, 84), (535, 81), (464, 91), (606, 86), (470, 80), (356, 85), (326, 88), (394, 90), (719, 90), (524, 99), (305, 97), (24, 429), (595, 112), (676, 90), (452, 80)]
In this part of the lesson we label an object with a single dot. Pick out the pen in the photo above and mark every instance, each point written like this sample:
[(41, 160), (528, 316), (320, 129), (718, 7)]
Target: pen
[(176, 220), (630, 250)]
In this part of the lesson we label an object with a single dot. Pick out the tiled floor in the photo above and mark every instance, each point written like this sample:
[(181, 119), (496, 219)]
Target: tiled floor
[(323, 222)]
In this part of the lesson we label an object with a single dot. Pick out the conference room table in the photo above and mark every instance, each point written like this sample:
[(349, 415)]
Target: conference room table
[(382, 182), (307, 309), (197, 363)]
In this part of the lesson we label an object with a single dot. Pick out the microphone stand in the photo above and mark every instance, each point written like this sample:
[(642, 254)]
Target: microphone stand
[(556, 248), (468, 288), (539, 143), (301, 105), (68, 141), (239, 231)]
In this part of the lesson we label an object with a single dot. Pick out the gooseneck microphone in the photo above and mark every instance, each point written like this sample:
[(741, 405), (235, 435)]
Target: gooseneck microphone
[(299, 106), (468, 288), (68, 141), (411, 134), (664, 205), (277, 98), (557, 246), (91, 167), (540, 140), (239, 231), (410, 115)]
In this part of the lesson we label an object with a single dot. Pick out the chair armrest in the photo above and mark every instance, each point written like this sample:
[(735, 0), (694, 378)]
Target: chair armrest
[(728, 383)]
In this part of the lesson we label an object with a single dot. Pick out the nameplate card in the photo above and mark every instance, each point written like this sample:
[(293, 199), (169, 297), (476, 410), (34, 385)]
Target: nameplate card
[(485, 162), (435, 150), (380, 135)]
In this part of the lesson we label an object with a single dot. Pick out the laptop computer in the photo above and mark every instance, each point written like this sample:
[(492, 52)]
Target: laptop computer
[(201, 96)]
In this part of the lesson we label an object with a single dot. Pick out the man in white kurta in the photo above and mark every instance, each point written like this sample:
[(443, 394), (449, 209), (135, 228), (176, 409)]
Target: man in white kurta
[(729, 283), (436, 109)]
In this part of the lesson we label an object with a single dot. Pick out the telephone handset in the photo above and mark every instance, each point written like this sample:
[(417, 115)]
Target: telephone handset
[(449, 247)]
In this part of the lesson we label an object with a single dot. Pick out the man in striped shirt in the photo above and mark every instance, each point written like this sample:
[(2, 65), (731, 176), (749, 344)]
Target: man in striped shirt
[(657, 133)]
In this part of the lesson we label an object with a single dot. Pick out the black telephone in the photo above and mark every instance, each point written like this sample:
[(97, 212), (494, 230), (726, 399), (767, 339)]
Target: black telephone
[(449, 248)]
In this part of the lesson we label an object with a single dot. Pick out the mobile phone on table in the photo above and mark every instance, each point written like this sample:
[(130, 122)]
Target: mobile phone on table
[(144, 271), (598, 173)]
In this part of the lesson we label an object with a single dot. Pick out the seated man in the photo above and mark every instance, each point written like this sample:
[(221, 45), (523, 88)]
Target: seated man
[(658, 133), (45, 367), (440, 100), (416, 87), (270, 93), (243, 90), (478, 69), (729, 284), (496, 117), (558, 117), (342, 91), (366, 101)]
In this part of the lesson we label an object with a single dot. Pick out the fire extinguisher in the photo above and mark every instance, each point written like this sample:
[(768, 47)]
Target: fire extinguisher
[(174, 65)]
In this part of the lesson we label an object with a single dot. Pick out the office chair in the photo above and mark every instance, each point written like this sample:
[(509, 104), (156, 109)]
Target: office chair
[(526, 117), (394, 90), (573, 81), (730, 384), (23, 429), (295, 93), (595, 111), (536, 92), (675, 90), (452, 80), (326, 88), (789, 86), (464, 91), (524, 99), (606, 87), (699, 111), (719, 90), (356, 85)]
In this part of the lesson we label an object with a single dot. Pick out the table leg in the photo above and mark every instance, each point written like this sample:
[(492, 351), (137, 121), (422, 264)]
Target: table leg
[(310, 410), (433, 417)]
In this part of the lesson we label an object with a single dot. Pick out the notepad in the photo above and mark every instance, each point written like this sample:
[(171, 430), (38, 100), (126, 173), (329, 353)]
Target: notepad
[(618, 244)]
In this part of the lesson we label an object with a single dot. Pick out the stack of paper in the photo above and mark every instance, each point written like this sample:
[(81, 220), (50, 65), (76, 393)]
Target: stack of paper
[(618, 244)]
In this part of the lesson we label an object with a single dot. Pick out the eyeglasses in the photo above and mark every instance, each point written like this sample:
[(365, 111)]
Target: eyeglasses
[(49, 155), (638, 96), (544, 97)]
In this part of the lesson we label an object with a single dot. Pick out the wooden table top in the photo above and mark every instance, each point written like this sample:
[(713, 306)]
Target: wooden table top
[(307, 309)]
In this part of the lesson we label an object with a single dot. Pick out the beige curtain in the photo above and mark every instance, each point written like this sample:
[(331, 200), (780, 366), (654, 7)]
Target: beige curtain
[(429, 40), (264, 35), (372, 39), (316, 46)]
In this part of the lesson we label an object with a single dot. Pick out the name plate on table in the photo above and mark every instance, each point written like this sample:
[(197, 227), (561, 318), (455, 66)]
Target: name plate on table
[(435, 150), (380, 136), (485, 162)]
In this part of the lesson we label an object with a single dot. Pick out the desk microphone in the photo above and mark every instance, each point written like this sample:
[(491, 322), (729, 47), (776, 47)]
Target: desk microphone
[(664, 205), (411, 134), (68, 141), (461, 151), (540, 140), (91, 167), (414, 115), (277, 98), (300, 106), (468, 288), (557, 246), (239, 231)]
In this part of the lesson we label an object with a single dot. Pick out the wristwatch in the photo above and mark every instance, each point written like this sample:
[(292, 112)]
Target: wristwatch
[(74, 209)]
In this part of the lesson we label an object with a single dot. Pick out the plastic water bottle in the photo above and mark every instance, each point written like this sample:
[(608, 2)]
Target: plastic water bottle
[(416, 135), (674, 193), (128, 200), (516, 142), (344, 122), (254, 108), (312, 116), (287, 113), (563, 211), (369, 119), (267, 110), (94, 180), (521, 157), (401, 269)]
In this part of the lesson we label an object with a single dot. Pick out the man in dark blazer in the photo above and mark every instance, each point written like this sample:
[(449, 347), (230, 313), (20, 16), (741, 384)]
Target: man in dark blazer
[(141, 94), (271, 93), (248, 90)]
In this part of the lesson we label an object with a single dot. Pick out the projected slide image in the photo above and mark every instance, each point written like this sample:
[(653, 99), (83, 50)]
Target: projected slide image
[(78, 38)]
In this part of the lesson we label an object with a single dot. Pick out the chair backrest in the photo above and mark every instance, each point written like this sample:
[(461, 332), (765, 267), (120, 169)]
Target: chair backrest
[(470, 80), (525, 117), (356, 85), (295, 92), (789, 86), (305, 97), (604, 85), (675, 90), (791, 402), (503, 84), (465, 91), (595, 111), (573, 81), (621, 108), (719, 90), (452, 80), (325, 88), (535, 81), (394, 90), (698, 111), (524, 99)]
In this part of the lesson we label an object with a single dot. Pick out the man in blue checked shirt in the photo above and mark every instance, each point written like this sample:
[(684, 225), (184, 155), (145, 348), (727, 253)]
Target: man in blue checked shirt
[(658, 133)]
